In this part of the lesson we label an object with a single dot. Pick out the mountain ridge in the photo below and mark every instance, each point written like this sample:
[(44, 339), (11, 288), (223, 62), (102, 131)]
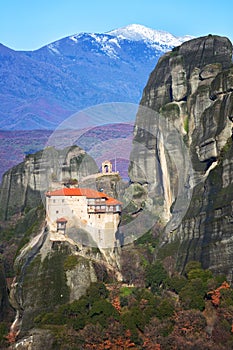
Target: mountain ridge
[(137, 32), (41, 88)]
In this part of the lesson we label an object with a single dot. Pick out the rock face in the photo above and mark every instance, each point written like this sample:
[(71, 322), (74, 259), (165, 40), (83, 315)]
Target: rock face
[(48, 271), (182, 138), (50, 274), (23, 185), (206, 230)]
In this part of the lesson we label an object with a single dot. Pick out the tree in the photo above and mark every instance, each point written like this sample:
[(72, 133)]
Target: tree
[(156, 276), (218, 292), (192, 265), (100, 311), (165, 309), (192, 295), (131, 268), (176, 283)]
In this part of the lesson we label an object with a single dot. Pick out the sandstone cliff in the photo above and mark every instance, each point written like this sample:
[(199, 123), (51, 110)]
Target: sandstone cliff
[(47, 271), (182, 138), (23, 186)]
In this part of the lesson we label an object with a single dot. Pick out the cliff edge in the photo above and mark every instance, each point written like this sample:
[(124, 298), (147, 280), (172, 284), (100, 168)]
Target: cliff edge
[(189, 94)]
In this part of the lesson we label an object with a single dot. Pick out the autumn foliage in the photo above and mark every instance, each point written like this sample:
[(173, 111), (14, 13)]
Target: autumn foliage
[(169, 312), (11, 337), (216, 293), (122, 342)]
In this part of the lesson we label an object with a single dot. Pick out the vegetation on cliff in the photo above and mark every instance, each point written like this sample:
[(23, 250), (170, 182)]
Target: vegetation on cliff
[(170, 312)]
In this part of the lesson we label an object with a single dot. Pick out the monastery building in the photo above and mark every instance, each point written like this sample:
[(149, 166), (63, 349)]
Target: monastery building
[(69, 209)]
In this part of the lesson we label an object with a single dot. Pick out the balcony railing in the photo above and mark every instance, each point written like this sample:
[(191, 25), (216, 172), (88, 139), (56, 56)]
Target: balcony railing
[(93, 209)]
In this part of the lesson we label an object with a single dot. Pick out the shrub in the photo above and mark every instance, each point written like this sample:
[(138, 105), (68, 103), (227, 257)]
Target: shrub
[(101, 311), (192, 265), (204, 275), (3, 333), (70, 262), (156, 275), (226, 298), (186, 125), (165, 309), (177, 283), (97, 290), (192, 295)]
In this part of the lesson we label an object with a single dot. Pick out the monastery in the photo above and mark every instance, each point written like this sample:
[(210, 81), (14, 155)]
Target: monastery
[(70, 209)]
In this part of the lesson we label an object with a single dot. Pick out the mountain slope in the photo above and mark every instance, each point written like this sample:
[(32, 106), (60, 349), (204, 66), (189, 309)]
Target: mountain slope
[(39, 89)]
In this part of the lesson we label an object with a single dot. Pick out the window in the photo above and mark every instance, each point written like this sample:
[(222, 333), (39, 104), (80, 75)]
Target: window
[(57, 211), (99, 216), (54, 201), (63, 200)]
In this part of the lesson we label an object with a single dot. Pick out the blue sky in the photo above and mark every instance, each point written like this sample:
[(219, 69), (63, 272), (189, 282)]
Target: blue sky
[(30, 24)]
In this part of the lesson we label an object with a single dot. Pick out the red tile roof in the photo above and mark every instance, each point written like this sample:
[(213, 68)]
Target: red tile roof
[(61, 220), (87, 192), (112, 201)]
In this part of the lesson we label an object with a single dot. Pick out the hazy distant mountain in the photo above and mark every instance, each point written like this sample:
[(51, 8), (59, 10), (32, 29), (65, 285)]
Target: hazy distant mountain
[(39, 89)]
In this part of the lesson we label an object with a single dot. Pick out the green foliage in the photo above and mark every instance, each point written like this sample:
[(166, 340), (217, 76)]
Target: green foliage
[(97, 290), (143, 313), (148, 239), (192, 265), (156, 275), (177, 283), (186, 125), (169, 249), (91, 308), (49, 288), (225, 150), (29, 225), (57, 290), (226, 299), (141, 308), (126, 291), (124, 301), (100, 311), (192, 295), (134, 321), (70, 262), (3, 333), (204, 275), (24, 226), (219, 279), (165, 309)]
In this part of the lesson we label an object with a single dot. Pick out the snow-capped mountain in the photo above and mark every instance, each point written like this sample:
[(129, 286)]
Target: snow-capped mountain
[(156, 38), (39, 89)]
